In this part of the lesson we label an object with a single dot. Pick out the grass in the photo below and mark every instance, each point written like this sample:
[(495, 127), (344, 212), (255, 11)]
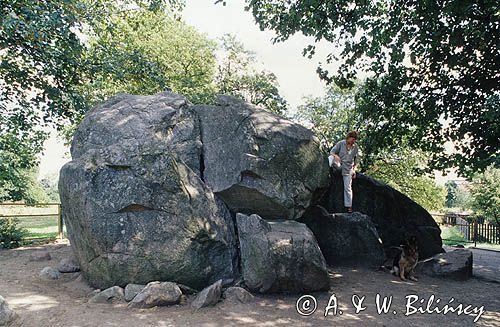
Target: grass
[(488, 246), (452, 236), (39, 227)]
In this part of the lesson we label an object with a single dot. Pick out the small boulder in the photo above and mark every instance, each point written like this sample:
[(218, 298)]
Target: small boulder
[(157, 294), (131, 290), (68, 265), (346, 239), (40, 255), (209, 296), (110, 295), (393, 213), (238, 295), (456, 264), (49, 273), (280, 256), (7, 315)]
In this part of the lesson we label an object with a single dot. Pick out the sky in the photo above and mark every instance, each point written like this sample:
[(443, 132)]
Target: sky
[(296, 74)]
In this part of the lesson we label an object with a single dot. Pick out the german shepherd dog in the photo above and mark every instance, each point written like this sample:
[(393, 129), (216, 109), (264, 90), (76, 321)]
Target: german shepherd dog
[(404, 263)]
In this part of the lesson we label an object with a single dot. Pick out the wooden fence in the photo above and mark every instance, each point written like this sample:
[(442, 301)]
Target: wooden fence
[(473, 231), (41, 220)]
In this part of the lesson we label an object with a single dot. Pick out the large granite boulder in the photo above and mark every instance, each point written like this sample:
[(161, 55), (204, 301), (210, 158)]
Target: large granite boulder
[(133, 202), (456, 264), (346, 239), (395, 215), (258, 162), (280, 256)]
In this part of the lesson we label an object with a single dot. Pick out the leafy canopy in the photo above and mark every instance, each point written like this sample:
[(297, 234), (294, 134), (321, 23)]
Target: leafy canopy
[(149, 52), (238, 76), (433, 68), (334, 114), (486, 194), (44, 64)]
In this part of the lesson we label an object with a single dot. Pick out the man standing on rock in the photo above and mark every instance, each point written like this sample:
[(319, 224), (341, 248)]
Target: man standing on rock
[(344, 156)]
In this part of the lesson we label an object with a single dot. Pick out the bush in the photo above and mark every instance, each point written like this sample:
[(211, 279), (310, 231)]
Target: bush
[(11, 235), (486, 195), (452, 235)]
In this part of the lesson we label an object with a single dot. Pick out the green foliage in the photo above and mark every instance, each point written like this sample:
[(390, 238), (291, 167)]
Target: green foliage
[(44, 66), (452, 235), (22, 185), (238, 77), (464, 200), (332, 116), (50, 186), (486, 194), (148, 52), (451, 196), (458, 197), (427, 62), (402, 169), (11, 235)]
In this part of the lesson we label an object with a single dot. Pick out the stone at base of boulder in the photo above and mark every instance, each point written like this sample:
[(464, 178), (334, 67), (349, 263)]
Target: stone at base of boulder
[(208, 296), (40, 255), (238, 295), (131, 290), (7, 315), (157, 294), (110, 295), (348, 239), (456, 264), (280, 256), (68, 265), (49, 273)]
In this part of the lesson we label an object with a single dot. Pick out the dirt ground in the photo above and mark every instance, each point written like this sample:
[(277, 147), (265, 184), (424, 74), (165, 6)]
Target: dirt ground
[(64, 302)]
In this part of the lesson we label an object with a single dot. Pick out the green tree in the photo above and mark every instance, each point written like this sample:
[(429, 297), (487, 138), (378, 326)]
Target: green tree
[(237, 76), (451, 196), (457, 197), (464, 199), (486, 194), (22, 185), (402, 169), (148, 52), (429, 63), (332, 116), (50, 187), (44, 65)]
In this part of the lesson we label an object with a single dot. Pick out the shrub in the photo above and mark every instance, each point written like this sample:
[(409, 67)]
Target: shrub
[(11, 235), (452, 235)]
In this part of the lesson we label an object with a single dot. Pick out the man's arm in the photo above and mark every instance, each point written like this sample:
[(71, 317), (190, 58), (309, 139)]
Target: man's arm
[(356, 161), (335, 150)]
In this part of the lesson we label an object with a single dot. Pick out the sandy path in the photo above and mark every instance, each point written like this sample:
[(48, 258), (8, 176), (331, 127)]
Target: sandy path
[(64, 302)]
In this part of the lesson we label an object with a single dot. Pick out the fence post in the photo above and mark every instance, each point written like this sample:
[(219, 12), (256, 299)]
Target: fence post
[(475, 232), (59, 222)]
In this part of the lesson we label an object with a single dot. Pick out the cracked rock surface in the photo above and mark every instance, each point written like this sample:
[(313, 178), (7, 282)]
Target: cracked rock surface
[(134, 204), (260, 163), (154, 182)]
